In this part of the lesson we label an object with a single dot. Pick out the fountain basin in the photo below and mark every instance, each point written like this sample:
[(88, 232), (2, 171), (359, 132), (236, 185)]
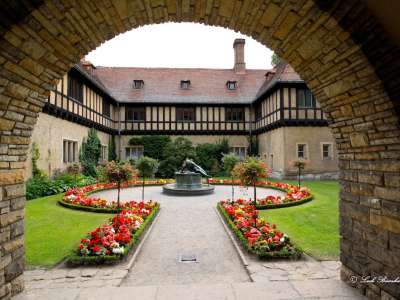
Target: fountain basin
[(188, 183)]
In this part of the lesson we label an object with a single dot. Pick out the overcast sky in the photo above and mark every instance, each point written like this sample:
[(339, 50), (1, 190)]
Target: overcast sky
[(184, 45)]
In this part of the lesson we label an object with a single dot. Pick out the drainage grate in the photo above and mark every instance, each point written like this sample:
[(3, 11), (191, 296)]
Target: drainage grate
[(188, 258)]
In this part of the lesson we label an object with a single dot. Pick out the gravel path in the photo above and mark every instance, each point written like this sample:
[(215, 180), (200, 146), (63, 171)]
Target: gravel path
[(186, 226)]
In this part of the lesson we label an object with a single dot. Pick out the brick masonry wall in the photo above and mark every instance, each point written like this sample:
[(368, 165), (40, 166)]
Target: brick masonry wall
[(337, 47)]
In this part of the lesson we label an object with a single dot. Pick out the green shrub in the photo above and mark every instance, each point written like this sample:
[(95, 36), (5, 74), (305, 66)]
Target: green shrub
[(174, 154), (252, 149), (168, 167), (147, 166), (43, 186), (90, 153), (209, 156), (153, 145)]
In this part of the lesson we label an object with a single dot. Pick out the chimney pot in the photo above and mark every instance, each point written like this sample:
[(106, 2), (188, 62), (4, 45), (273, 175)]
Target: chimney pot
[(239, 63)]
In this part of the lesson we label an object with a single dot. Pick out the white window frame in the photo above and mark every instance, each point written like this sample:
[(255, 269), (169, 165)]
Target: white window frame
[(130, 151), (75, 155), (306, 156), (103, 152), (331, 151)]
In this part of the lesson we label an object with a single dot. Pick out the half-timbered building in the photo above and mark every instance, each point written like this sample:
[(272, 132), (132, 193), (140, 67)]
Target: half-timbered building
[(203, 105)]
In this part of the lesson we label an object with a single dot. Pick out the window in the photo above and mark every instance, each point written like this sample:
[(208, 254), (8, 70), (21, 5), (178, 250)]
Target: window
[(103, 153), (258, 112), (138, 84), (234, 114), (135, 114), (70, 151), (271, 161), (305, 98), (327, 151), (302, 151), (185, 114), (133, 152), (75, 89), (185, 84), (106, 108), (231, 85), (239, 151)]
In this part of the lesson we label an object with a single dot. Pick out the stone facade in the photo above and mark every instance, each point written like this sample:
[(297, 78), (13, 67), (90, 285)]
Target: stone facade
[(338, 47), (278, 147), (49, 134)]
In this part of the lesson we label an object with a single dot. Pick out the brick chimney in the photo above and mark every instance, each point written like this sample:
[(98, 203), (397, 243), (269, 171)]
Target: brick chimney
[(88, 66), (240, 65)]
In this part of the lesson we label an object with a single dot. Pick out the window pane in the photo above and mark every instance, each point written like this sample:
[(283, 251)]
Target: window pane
[(185, 114), (65, 149)]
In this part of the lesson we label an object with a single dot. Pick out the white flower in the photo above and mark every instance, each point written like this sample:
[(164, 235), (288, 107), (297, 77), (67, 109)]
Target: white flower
[(118, 250), (71, 197), (282, 239)]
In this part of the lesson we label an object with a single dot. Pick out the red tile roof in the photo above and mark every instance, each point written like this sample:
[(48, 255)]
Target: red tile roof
[(162, 85)]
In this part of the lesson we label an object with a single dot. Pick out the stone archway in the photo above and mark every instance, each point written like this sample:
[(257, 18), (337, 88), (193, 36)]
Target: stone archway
[(337, 47)]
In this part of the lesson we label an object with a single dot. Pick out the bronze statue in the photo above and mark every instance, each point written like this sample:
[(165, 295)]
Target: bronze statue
[(190, 166)]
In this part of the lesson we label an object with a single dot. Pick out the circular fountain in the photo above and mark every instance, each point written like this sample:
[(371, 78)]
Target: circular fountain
[(189, 182)]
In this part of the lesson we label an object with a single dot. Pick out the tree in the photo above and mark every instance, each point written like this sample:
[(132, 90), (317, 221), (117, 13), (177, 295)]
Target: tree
[(118, 172), (275, 59), (153, 145), (174, 154), (112, 154), (90, 153), (147, 167), (229, 161), (249, 171), (252, 149)]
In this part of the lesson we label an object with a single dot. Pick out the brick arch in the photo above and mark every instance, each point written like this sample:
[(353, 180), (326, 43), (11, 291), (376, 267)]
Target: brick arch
[(41, 40)]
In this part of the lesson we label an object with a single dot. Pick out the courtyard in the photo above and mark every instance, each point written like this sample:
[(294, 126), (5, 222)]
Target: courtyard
[(188, 226)]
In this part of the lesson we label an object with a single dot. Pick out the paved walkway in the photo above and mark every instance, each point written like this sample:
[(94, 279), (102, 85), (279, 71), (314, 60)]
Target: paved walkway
[(190, 226), (186, 226)]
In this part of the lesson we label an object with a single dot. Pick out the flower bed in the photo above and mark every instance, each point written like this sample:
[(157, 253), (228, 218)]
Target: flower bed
[(111, 242), (294, 194), (256, 235), (79, 198)]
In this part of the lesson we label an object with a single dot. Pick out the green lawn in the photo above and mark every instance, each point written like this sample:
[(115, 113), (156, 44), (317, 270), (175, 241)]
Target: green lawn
[(52, 231), (313, 226)]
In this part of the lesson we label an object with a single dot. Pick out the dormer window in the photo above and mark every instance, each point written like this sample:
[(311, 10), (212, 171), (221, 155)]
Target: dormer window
[(185, 84), (138, 84), (231, 85)]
